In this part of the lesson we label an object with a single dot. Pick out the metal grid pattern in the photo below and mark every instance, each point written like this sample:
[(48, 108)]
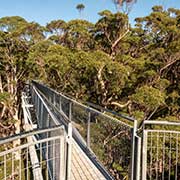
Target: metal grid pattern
[(32, 159), (44, 115), (163, 155), (161, 151), (110, 138)]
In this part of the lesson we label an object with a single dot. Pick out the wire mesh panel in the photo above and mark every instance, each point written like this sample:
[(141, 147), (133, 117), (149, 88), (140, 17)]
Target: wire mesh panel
[(109, 139), (161, 150), (33, 159), (163, 155), (112, 143), (152, 152), (42, 109), (80, 117), (44, 113)]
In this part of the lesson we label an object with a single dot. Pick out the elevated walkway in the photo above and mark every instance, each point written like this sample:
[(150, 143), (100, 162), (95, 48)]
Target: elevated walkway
[(80, 162), (66, 140), (87, 146)]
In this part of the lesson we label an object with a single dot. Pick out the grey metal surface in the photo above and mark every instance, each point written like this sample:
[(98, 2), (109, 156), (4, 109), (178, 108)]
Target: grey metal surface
[(42, 153)]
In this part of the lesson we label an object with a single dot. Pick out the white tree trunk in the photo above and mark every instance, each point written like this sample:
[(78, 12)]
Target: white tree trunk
[(16, 143)]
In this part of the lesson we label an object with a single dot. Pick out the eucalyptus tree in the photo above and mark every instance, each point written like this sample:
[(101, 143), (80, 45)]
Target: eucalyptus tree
[(110, 30), (56, 30), (17, 35), (75, 34), (78, 34), (124, 5), (80, 8), (158, 35)]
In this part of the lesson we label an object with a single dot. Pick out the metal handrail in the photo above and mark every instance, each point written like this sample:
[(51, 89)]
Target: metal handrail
[(92, 109), (29, 133), (155, 122)]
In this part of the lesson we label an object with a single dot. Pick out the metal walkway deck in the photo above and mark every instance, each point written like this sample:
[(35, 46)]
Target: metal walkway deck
[(82, 167)]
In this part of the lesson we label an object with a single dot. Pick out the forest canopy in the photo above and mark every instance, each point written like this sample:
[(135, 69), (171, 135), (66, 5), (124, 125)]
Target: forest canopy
[(132, 70)]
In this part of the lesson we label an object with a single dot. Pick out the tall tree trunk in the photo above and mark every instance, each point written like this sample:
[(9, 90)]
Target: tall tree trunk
[(102, 85), (17, 131), (13, 109), (1, 85)]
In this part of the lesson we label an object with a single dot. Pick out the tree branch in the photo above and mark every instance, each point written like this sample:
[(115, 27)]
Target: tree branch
[(121, 105), (20, 75), (119, 38), (102, 84), (167, 65), (113, 137), (1, 85), (99, 76), (6, 127), (152, 113), (2, 111)]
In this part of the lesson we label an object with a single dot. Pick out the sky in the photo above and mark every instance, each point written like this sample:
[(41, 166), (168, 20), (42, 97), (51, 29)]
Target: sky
[(44, 11)]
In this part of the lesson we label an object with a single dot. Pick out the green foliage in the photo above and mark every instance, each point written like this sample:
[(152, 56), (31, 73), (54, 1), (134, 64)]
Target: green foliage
[(80, 7), (149, 97), (110, 29), (56, 26), (83, 60), (11, 24), (139, 115), (4, 96)]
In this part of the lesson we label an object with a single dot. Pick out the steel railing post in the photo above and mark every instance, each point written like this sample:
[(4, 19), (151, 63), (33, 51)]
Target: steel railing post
[(41, 114), (54, 100), (69, 152), (138, 158), (70, 111), (37, 107), (88, 129), (133, 150), (144, 154), (60, 103), (62, 166)]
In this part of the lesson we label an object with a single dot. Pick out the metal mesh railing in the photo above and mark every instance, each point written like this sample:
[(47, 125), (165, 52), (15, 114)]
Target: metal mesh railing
[(35, 107), (32, 159), (46, 114), (110, 138), (152, 153), (163, 155), (161, 151), (99, 136)]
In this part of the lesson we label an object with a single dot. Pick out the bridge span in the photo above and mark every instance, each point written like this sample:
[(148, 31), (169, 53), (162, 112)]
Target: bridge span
[(67, 140)]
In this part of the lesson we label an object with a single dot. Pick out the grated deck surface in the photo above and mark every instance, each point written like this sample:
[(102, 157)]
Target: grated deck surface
[(82, 167)]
